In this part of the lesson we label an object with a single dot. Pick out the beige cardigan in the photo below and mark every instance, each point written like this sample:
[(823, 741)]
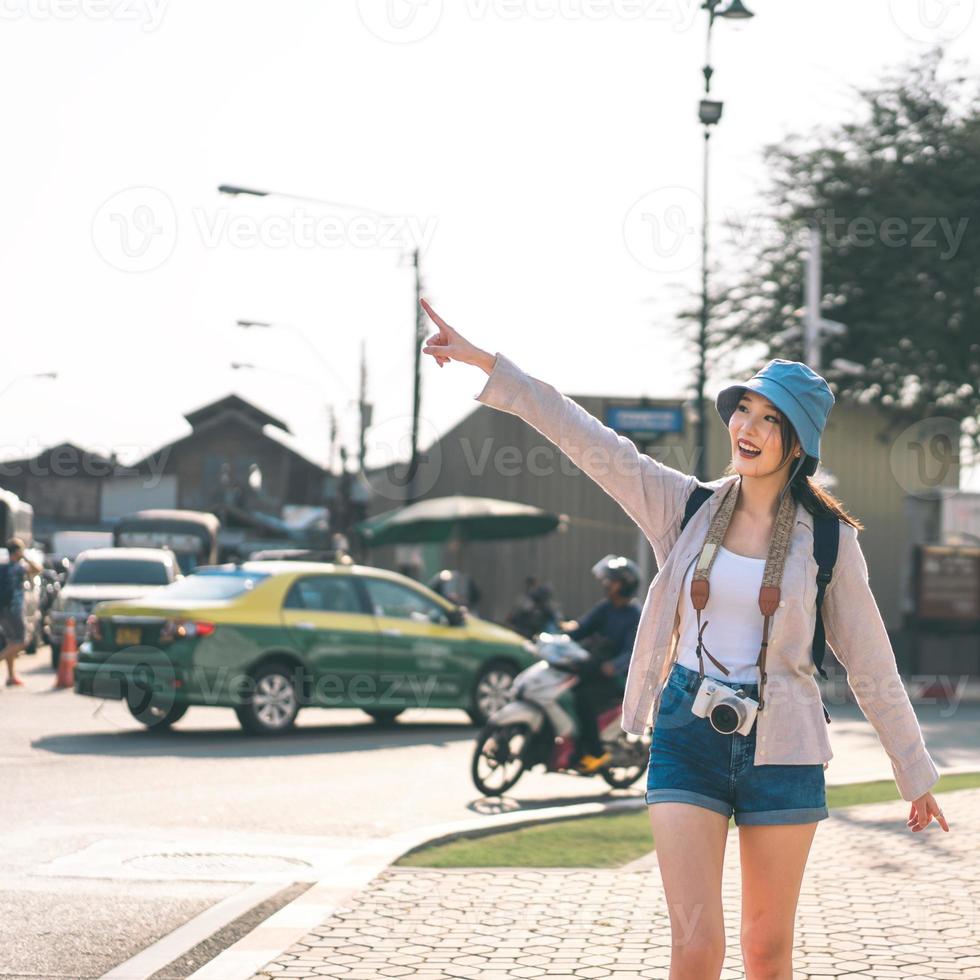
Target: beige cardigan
[(791, 728)]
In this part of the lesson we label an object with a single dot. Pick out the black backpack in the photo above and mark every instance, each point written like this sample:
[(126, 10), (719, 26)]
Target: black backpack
[(826, 535)]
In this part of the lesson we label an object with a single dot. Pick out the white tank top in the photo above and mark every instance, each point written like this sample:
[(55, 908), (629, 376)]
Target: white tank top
[(734, 631)]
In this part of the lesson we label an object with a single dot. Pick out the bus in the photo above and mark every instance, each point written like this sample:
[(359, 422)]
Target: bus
[(16, 519), (192, 535)]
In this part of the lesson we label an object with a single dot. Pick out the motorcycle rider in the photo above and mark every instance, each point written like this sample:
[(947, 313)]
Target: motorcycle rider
[(607, 631)]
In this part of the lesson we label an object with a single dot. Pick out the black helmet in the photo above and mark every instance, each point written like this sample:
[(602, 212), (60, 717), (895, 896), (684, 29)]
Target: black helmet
[(619, 569)]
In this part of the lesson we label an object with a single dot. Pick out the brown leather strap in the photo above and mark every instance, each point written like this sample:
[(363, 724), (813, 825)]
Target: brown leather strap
[(769, 591), (701, 646), (761, 662)]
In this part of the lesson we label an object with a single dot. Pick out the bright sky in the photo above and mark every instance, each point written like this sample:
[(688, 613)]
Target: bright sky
[(526, 140)]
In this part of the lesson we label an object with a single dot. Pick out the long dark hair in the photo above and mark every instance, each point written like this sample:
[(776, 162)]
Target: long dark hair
[(812, 496)]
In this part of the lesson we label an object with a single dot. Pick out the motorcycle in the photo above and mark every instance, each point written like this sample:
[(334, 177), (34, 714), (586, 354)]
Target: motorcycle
[(50, 587), (536, 728)]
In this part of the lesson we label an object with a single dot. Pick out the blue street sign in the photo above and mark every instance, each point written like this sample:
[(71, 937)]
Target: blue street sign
[(639, 421)]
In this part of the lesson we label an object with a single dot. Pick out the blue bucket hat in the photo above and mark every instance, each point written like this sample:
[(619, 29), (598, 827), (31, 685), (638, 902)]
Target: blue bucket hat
[(801, 394)]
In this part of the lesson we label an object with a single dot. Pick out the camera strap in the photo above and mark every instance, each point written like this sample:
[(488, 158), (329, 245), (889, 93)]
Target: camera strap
[(772, 575)]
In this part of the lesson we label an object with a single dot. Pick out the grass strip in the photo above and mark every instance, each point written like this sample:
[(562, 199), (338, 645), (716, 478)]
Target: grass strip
[(610, 841)]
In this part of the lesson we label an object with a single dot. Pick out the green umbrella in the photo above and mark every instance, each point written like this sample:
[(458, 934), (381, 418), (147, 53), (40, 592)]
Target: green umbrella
[(457, 518)]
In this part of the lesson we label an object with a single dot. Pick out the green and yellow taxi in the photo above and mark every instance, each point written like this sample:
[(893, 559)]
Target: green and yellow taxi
[(267, 638)]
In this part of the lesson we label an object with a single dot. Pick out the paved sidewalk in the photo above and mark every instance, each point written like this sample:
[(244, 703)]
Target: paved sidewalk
[(877, 902)]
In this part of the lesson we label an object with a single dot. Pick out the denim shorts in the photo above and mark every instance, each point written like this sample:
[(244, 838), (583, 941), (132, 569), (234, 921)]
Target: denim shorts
[(12, 626), (692, 763)]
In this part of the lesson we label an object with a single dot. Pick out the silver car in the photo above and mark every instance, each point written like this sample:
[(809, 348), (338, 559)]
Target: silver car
[(107, 573)]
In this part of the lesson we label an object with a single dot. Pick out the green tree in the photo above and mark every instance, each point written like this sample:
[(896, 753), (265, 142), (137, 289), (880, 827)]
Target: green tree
[(896, 196)]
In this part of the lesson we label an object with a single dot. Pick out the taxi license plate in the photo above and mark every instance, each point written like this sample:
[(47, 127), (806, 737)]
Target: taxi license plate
[(128, 635)]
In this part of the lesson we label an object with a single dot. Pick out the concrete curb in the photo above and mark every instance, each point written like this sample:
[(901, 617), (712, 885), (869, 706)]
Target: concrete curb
[(267, 941)]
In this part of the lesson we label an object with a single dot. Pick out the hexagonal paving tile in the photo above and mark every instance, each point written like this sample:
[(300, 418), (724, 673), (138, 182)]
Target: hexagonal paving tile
[(877, 902)]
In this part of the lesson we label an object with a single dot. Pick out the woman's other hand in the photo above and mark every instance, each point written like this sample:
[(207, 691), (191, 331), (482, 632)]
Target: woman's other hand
[(922, 812), (449, 345)]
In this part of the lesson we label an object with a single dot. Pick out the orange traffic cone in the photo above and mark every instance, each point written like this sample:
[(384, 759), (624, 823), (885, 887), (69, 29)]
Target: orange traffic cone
[(69, 656)]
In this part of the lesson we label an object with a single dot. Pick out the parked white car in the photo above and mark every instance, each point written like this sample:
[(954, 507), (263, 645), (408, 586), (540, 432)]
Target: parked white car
[(107, 573)]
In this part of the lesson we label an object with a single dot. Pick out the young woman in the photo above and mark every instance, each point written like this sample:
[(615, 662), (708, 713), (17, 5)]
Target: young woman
[(752, 541)]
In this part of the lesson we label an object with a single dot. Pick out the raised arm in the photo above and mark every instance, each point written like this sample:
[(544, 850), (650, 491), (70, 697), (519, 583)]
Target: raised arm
[(651, 493), (858, 637)]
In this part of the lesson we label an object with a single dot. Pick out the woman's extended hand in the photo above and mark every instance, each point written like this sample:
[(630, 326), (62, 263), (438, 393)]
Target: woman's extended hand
[(922, 812), (449, 345)]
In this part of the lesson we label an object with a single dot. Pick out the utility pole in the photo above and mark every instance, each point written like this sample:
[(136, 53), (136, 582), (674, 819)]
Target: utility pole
[(333, 439), (814, 325), (365, 410), (234, 190), (344, 494), (417, 388), (813, 288)]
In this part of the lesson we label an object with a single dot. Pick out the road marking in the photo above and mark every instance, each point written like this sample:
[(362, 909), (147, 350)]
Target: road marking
[(166, 949), (196, 856)]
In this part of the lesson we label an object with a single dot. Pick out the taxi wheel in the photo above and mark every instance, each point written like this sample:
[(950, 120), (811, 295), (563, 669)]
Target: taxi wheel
[(384, 716), (151, 713), (491, 690), (275, 700)]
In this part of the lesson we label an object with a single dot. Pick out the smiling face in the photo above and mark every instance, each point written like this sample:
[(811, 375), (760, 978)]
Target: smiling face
[(762, 438)]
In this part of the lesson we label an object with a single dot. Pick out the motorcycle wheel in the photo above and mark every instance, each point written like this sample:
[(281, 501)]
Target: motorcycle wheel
[(499, 758), (620, 776)]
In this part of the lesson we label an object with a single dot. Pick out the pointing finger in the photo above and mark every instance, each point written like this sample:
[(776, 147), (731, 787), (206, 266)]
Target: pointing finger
[(436, 319)]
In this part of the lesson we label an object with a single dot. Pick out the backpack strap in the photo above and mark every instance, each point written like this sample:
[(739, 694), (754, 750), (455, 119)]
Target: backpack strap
[(696, 498), (826, 537)]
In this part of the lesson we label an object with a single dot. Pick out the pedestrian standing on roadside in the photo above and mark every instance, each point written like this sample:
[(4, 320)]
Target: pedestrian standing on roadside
[(753, 539), (12, 605)]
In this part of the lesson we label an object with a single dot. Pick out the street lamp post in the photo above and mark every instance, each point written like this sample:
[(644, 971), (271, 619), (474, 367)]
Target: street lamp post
[(49, 375), (709, 114), (419, 319), (324, 364), (314, 350)]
